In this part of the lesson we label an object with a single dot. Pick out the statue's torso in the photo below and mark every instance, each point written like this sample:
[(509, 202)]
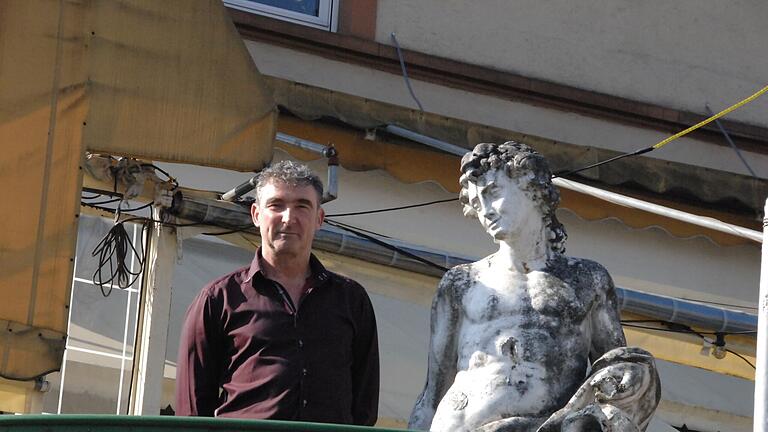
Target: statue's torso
[(523, 347)]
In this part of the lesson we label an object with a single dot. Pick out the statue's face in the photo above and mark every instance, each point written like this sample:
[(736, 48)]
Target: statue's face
[(503, 208)]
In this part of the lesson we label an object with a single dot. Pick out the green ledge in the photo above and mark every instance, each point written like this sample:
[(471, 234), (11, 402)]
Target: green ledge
[(115, 423)]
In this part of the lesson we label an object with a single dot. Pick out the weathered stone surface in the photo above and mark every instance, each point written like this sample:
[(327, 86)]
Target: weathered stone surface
[(514, 334)]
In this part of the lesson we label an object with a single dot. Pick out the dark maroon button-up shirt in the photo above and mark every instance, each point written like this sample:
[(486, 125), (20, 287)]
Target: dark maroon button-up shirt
[(246, 351)]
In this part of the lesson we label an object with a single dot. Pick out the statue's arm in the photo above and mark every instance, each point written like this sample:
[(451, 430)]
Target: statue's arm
[(441, 369), (607, 333)]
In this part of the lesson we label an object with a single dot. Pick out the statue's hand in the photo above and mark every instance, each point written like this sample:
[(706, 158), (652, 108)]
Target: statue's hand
[(621, 381), (606, 385)]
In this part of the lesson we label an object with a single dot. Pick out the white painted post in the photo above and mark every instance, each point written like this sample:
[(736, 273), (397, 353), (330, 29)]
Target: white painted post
[(760, 422), (154, 314)]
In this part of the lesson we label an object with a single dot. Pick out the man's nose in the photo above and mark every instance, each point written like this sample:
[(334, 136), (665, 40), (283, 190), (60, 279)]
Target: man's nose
[(288, 215)]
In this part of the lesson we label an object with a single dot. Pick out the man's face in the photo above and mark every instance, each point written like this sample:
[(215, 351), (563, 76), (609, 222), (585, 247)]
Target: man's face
[(503, 208), (287, 217)]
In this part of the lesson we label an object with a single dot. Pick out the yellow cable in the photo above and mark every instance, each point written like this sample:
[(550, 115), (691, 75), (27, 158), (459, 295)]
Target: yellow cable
[(711, 119)]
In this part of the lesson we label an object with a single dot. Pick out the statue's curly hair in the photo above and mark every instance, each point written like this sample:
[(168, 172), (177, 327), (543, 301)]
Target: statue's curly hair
[(521, 162)]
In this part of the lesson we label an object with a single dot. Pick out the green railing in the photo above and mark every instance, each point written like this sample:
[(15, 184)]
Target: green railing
[(115, 423)]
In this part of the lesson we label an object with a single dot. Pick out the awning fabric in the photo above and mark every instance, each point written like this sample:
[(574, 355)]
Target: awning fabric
[(163, 80)]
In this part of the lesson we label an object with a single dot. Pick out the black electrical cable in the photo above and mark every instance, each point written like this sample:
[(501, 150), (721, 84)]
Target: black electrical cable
[(232, 231), (170, 177), (597, 164), (719, 303), (342, 224), (684, 329), (112, 210), (666, 330), (741, 357), (110, 201), (387, 245), (392, 208), (681, 328), (141, 207), (113, 251)]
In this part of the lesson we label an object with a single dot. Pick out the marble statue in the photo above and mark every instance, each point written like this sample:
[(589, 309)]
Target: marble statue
[(528, 339)]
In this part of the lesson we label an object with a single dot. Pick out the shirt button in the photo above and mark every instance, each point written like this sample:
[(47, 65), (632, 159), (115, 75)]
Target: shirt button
[(304, 403)]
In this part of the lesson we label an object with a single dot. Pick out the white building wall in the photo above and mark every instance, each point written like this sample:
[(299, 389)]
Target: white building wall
[(681, 54)]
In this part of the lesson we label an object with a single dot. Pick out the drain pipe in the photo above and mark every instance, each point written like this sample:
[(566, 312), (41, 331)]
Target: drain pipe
[(760, 420), (426, 140)]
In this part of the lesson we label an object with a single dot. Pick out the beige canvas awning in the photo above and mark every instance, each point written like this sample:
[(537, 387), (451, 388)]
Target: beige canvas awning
[(163, 80)]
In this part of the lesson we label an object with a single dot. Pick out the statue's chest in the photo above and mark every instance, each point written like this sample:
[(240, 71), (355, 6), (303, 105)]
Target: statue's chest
[(495, 296)]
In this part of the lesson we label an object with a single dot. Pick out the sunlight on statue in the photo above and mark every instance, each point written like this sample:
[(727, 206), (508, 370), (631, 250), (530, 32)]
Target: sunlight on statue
[(528, 339)]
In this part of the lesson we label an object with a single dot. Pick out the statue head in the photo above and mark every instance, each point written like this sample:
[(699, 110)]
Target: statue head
[(529, 169)]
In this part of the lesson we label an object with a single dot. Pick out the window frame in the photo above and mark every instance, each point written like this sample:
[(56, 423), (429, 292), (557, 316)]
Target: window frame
[(327, 19)]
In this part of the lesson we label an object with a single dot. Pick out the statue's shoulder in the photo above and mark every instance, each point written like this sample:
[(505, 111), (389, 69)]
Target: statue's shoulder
[(456, 281), (582, 272)]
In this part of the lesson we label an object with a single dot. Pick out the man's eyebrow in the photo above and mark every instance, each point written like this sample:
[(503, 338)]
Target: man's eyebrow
[(306, 201)]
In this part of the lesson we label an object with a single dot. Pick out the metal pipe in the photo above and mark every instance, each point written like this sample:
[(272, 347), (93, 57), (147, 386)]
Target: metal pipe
[(330, 240), (760, 420), (685, 312), (426, 140), (332, 189), (240, 190), (325, 151)]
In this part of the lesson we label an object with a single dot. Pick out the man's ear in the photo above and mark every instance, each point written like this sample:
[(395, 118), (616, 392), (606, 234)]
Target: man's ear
[(320, 217), (255, 214)]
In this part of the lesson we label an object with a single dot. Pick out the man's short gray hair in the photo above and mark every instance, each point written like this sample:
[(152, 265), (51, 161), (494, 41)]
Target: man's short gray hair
[(292, 174)]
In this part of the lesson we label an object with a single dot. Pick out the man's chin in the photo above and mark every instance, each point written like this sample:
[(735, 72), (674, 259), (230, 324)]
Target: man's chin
[(286, 248)]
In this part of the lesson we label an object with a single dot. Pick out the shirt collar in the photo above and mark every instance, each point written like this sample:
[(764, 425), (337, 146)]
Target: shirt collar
[(318, 274)]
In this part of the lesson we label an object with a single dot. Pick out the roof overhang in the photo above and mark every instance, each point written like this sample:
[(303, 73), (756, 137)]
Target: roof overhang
[(657, 179), (413, 163)]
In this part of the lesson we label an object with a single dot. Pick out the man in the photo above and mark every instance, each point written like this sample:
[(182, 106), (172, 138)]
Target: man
[(283, 338), (513, 334)]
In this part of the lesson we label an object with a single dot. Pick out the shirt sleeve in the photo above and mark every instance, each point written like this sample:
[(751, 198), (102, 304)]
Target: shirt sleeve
[(365, 367), (198, 361)]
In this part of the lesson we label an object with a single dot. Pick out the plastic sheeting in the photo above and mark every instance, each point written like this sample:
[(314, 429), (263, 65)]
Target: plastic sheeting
[(163, 80)]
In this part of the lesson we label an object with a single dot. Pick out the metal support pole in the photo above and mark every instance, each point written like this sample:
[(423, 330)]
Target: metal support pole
[(760, 421), (154, 314)]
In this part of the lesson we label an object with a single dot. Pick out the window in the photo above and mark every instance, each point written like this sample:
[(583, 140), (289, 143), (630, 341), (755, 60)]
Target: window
[(314, 13), (98, 360)]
